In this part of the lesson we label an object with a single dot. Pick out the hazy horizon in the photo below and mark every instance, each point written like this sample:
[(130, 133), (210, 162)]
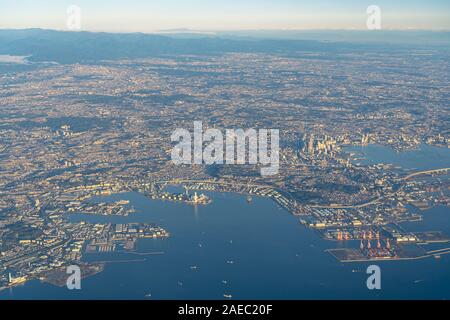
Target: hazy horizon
[(218, 31), (215, 16)]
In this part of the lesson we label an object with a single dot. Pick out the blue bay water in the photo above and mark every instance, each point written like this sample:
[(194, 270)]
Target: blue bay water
[(273, 255), (426, 157)]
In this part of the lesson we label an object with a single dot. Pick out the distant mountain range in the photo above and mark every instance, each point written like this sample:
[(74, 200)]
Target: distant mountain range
[(72, 47)]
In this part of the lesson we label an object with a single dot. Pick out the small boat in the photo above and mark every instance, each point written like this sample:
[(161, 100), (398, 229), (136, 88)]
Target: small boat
[(230, 261), (227, 296), (193, 267), (224, 281), (148, 295)]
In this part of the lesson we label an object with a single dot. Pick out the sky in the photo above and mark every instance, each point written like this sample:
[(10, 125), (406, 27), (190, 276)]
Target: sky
[(216, 15)]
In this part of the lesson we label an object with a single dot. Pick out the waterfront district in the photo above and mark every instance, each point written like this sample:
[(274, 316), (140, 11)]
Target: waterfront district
[(73, 132)]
